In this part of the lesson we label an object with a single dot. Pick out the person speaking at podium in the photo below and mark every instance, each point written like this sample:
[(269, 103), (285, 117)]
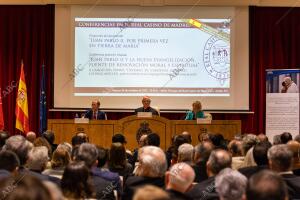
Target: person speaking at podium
[(94, 113), (146, 106), (196, 112)]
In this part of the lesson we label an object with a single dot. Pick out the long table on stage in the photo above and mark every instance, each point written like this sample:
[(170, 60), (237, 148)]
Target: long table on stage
[(100, 132)]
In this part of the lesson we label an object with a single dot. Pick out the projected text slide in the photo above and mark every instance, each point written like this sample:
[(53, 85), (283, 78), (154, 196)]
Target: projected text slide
[(160, 57)]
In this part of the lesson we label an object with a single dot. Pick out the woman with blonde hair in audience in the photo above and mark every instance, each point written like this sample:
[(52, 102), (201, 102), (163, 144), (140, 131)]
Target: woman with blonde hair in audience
[(60, 159)]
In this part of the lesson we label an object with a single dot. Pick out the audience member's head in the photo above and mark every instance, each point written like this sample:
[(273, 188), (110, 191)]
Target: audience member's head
[(178, 140), (43, 142), (60, 158), (188, 136), (286, 137), (262, 138), (117, 156), (150, 192), (20, 146), (219, 159), (24, 187), (119, 138), (260, 153), (67, 146), (31, 136), (74, 153), (203, 151), (276, 139), (266, 185), (152, 162), (143, 140), (102, 156), (79, 139), (180, 177), (297, 138), (249, 141), (280, 158), (235, 147), (218, 140), (294, 146), (9, 161), (38, 158), (75, 182), (153, 139), (185, 153), (49, 136), (55, 191), (88, 153), (238, 137), (3, 137), (230, 184)]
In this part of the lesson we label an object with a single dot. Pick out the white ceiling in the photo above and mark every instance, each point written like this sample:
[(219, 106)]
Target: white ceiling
[(289, 3)]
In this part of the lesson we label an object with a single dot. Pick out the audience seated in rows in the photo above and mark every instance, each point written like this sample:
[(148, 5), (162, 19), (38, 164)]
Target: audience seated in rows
[(206, 171)]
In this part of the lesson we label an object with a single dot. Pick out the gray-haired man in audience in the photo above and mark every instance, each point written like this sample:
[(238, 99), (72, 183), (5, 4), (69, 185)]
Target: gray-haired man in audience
[(186, 153), (219, 159), (150, 170), (88, 153), (37, 159), (21, 147), (281, 161), (231, 184)]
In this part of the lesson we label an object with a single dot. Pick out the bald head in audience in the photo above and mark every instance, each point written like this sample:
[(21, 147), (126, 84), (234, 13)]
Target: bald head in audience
[(152, 162), (262, 138), (188, 136), (280, 158), (266, 185), (219, 159), (294, 146), (31, 136), (180, 177), (203, 151)]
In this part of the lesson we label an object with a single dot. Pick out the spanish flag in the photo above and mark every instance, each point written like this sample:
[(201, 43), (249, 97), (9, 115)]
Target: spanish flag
[(22, 120)]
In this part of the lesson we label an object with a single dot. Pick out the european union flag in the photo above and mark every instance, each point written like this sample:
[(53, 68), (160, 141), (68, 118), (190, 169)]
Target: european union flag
[(43, 109)]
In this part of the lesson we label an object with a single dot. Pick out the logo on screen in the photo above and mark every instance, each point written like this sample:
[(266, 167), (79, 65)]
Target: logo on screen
[(216, 57)]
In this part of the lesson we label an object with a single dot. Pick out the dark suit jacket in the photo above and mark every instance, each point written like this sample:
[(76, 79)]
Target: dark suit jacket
[(293, 183), (40, 176), (109, 176), (249, 171), (175, 195), (141, 109), (104, 189), (204, 190), (200, 171), (134, 182), (100, 114)]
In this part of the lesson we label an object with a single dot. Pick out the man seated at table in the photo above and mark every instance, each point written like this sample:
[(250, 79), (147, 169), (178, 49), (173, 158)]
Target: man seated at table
[(146, 106), (94, 113)]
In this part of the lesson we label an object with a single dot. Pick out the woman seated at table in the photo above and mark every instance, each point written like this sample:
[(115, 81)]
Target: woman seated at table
[(196, 112)]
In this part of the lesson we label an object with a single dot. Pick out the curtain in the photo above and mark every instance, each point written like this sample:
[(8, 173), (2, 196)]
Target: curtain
[(27, 33)]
